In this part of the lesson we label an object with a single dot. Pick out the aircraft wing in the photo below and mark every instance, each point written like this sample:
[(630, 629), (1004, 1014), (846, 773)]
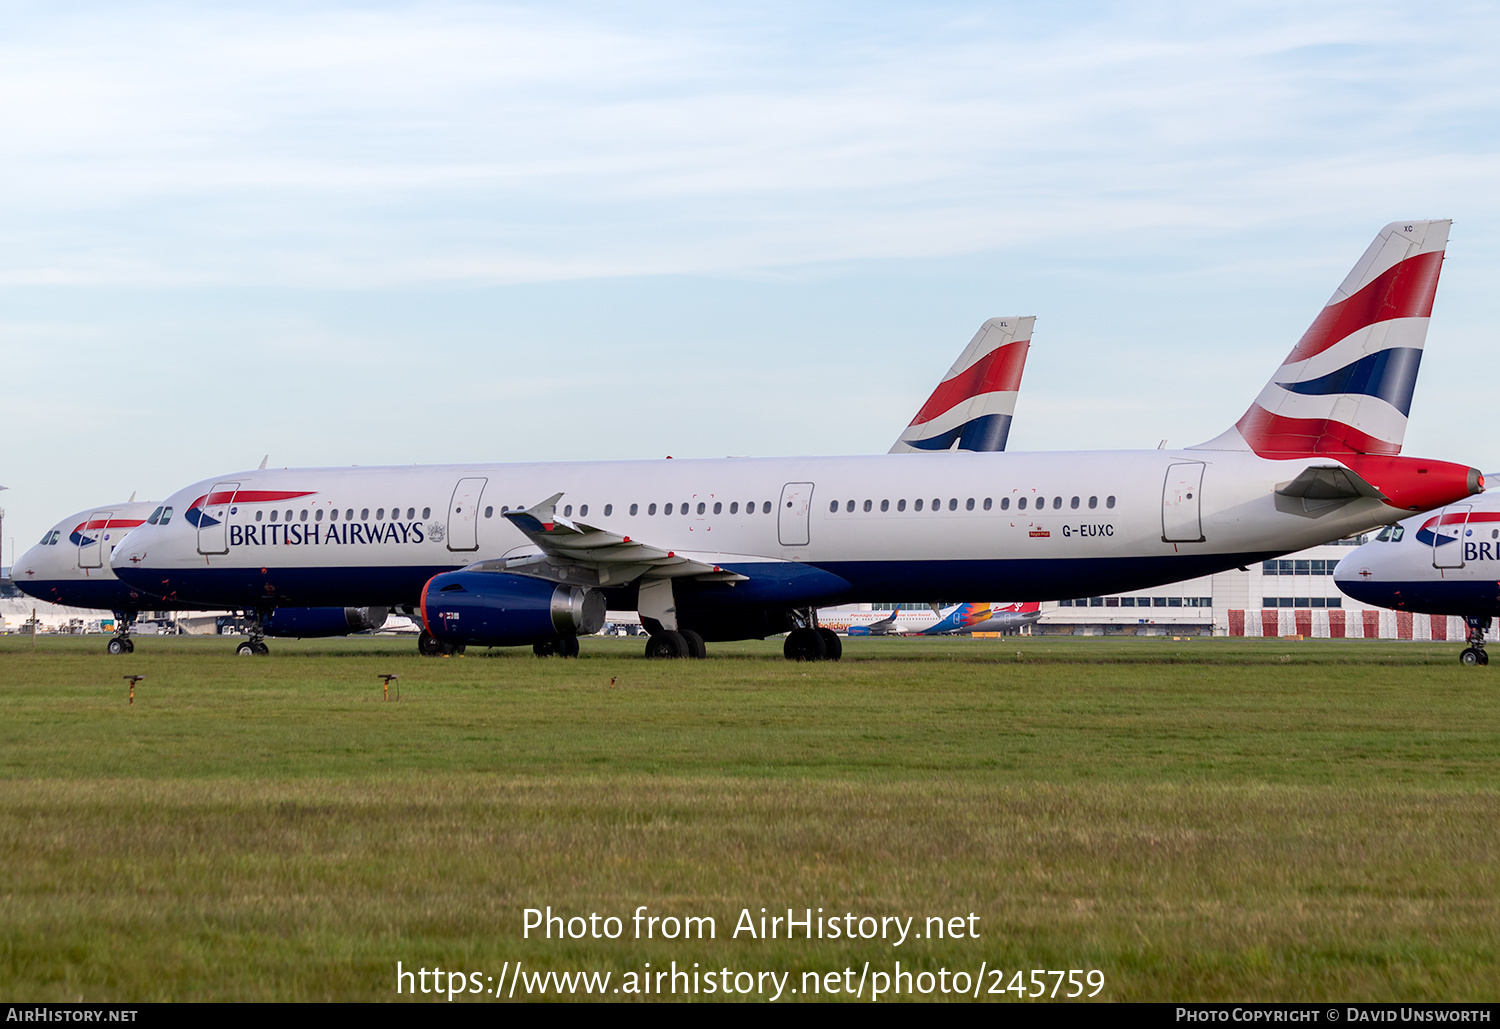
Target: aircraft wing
[(575, 552)]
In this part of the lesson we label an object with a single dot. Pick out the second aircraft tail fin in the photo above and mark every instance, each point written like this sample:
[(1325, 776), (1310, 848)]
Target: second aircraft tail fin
[(971, 408)]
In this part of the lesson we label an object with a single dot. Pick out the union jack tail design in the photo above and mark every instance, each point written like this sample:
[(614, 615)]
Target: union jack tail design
[(1346, 387), (972, 406)]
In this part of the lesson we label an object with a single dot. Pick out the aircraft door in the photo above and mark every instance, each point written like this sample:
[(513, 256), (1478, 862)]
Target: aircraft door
[(1182, 503), (91, 540), (794, 514), (213, 518), (463, 514), (1448, 536)]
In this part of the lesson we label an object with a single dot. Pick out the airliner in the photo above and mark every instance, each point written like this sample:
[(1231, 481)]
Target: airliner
[(961, 619), (1444, 562), (741, 548), (70, 565)]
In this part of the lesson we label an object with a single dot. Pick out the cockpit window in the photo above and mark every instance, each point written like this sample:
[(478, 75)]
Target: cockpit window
[(1397, 531), (47, 537), (154, 516)]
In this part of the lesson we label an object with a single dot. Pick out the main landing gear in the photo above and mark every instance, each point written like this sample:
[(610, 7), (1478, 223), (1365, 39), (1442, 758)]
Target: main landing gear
[(811, 642), (562, 646), (675, 643), (429, 645), (255, 646), (1474, 653), (121, 643)]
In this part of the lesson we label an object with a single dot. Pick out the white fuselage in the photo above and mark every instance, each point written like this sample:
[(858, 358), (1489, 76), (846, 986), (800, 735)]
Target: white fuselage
[(931, 527)]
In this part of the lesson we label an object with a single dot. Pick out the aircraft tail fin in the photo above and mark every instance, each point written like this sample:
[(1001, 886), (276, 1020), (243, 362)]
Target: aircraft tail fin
[(1347, 385), (971, 408)]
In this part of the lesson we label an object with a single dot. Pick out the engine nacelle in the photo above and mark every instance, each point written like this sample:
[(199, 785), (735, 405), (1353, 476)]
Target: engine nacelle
[(307, 622), (496, 609)]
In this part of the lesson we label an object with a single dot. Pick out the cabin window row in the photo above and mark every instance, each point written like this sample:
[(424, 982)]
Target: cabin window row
[(1022, 503), (1301, 602), (333, 515), (684, 508)]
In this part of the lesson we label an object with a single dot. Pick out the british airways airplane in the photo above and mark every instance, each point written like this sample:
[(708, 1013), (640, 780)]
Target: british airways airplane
[(1443, 562), (743, 548), (70, 565)]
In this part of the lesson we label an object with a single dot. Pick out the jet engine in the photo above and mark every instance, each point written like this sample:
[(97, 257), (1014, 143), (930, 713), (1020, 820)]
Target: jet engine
[(308, 622), (497, 609)]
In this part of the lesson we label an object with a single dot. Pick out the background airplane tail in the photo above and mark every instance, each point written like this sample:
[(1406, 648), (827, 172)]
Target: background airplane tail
[(1347, 385), (972, 406)]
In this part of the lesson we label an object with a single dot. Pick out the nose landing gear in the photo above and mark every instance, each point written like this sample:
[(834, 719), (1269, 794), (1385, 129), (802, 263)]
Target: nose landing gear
[(121, 642), (1474, 653), (255, 646)]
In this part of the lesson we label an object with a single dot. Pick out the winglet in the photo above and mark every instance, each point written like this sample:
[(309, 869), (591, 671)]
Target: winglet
[(1347, 385), (971, 408)]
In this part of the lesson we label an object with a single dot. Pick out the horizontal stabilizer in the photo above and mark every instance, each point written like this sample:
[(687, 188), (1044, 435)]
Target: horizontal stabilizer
[(1330, 482)]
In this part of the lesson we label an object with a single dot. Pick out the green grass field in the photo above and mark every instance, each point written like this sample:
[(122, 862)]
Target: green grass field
[(1197, 819)]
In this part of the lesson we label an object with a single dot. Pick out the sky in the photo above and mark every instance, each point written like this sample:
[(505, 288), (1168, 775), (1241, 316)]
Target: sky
[(394, 233)]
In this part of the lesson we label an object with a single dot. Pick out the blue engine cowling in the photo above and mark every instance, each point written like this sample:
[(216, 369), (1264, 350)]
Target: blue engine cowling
[(307, 622), (497, 609)]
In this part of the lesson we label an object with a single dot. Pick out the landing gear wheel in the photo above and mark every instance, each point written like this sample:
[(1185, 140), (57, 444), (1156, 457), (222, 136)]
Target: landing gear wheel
[(670, 643), (562, 646), (117, 646), (833, 647), (1473, 656), (429, 645), (804, 645), (129, 645), (695, 647), (546, 648), (246, 649), (567, 646)]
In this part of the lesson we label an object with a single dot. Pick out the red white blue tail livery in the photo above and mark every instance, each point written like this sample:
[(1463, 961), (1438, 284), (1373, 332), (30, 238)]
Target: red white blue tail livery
[(972, 407), (1347, 385)]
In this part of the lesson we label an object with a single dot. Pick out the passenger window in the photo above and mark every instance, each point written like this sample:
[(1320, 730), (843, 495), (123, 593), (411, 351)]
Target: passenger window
[(1057, 503), (364, 514), (701, 507), (666, 509), (969, 504), (651, 509), (349, 515), (489, 511), (333, 515), (1093, 503), (379, 513), (318, 515), (718, 507), (427, 512), (274, 515), (901, 505), (1005, 503), (917, 504), (849, 506), (868, 506), (303, 516), (258, 514), (833, 507), (1041, 502), (766, 507), (1109, 501), (988, 503), (609, 509), (885, 505), (1021, 504), (583, 512), (734, 508), (1073, 503), (411, 513), (567, 510)]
